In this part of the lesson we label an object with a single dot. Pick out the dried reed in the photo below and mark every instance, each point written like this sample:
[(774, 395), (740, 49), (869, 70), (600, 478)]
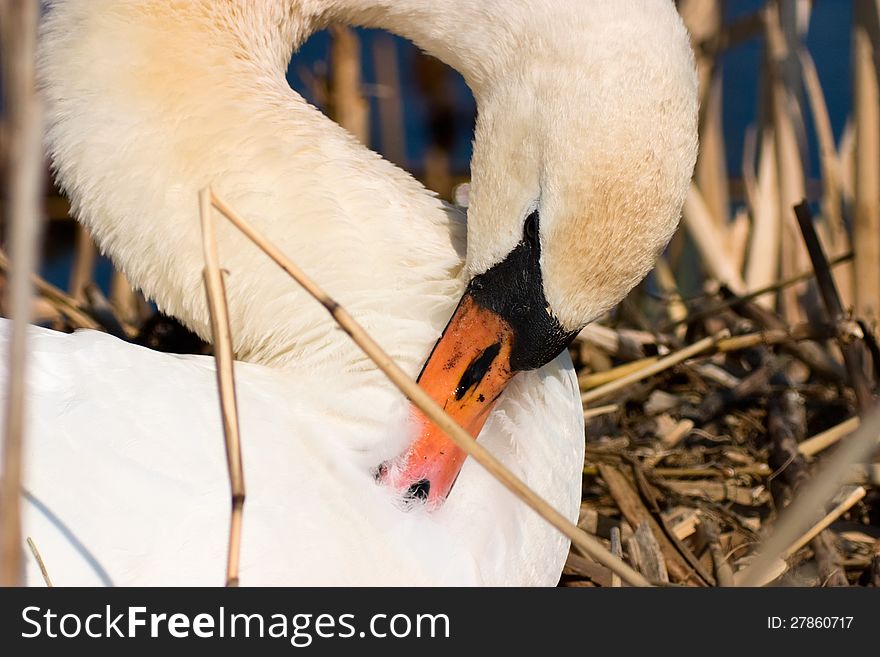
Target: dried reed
[(428, 406)]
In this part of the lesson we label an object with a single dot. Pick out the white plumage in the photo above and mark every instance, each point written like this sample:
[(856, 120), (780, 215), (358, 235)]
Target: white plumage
[(587, 110), (127, 480)]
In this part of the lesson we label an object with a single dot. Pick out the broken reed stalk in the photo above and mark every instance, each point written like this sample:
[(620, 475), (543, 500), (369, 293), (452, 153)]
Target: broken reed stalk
[(762, 266), (84, 258), (386, 67), (600, 382), (797, 517), (350, 110), (462, 439), (833, 306), (654, 368), (751, 296), (866, 223), (600, 410), (710, 241), (825, 522), (834, 231), (18, 24), (223, 354), (60, 300), (783, 37), (39, 558), (821, 441)]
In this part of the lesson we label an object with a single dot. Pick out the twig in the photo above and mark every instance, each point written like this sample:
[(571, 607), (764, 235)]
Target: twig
[(874, 568), (600, 410), (811, 354), (350, 109), (833, 306), (85, 255), (866, 220), (797, 517), (786, 424), (650, 557), (18, 20), (656, 367), (462, 439), (709, 241), (597, 379), (825, 522), (63, 302), (635, 512), (617, 551), (723, 571), (814, 445), (39, 558), (734, 300), (678, 432), (223, 354)]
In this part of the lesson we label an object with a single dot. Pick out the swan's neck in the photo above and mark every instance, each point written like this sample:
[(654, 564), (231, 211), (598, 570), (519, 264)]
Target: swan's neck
[(471, 36), (150, 101)]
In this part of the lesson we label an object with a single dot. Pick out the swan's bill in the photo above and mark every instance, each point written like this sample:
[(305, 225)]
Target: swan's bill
[(502, 325), (465, 373)]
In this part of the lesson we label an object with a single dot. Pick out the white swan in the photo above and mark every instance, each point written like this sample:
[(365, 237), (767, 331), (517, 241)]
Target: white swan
[(585, 142)]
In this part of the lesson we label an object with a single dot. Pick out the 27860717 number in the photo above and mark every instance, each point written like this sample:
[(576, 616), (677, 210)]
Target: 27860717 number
[(809, 622)]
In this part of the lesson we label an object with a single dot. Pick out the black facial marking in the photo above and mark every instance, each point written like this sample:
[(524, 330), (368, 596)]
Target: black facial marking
[(418, 490), (476, 370), (514, 289)]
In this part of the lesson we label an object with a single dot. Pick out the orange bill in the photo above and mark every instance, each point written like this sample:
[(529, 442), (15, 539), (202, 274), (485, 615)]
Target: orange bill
[(465, 373)]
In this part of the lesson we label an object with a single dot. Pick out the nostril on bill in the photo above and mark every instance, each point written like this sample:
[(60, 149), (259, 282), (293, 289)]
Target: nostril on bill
[(419, 490)]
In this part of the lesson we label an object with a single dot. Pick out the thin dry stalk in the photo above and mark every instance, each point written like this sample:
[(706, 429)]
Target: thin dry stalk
[(36, 553), (617, 551), (225, 380), (703, 19), (846, 155), (762, 267), (738, 238), (709, 241), (462, 439), (798, 516), (834, 306), (60, 300), (350, 109), (596, 379), (84, 256), (850, 501), (600, 410), (651, 369), (675, 308), (677, 433), (18, 20), (821, 441), (392, 140), (125, 300), (866, 226), (711, 169), (832, 227), (783, 69)]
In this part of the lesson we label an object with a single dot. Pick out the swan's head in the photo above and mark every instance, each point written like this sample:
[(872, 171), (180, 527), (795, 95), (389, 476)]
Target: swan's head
[(585, 143)]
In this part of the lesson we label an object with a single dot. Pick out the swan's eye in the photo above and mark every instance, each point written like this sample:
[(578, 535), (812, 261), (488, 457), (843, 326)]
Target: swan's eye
[(530, 230)]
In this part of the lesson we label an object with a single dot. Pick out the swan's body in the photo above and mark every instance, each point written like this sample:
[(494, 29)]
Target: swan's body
[(586, 112), (141, 497)]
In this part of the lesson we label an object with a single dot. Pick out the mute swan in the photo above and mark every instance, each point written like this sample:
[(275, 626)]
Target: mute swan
[(584, 145)]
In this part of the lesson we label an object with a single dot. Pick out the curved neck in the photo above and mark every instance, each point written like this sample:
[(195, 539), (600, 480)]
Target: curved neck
[(471, 36)]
